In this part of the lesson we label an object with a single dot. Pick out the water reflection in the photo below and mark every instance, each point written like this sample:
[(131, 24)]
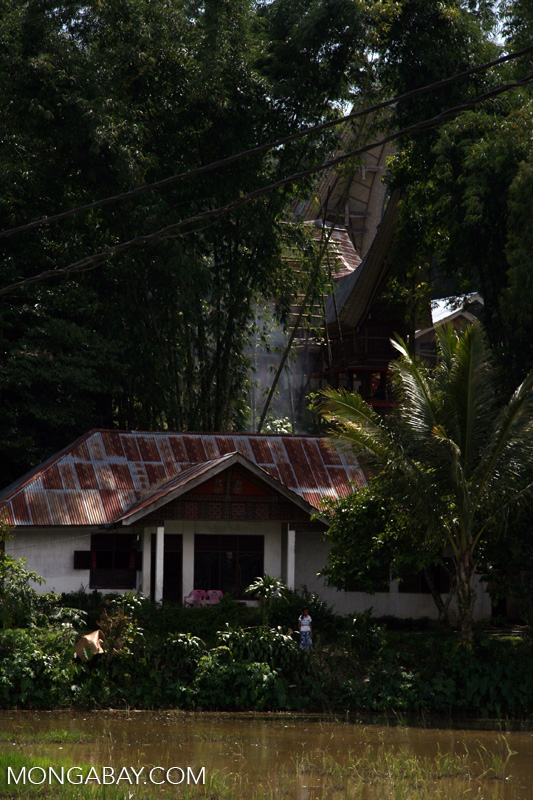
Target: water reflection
[(302, 756)]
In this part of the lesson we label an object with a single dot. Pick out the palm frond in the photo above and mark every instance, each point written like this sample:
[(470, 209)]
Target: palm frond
[(418, 410), (446, 342), (507, 460), (450, 457), (356, 423), (358, 427), (471, 394)]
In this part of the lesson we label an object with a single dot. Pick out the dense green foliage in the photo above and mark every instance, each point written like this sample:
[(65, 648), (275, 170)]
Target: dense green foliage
[(468, 223), (356, 663), (459, 228), (224, 658), (453, 456), (101, 98), (435, 673), (506, 565), (374, 541)]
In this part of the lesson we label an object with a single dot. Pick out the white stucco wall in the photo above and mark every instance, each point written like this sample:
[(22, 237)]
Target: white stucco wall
[(311, 557), (50, 553)]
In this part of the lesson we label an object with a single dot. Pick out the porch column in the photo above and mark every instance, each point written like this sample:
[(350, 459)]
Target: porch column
[(273, 548), (147, 562), (187, 580), (159, 560), (291, 558)]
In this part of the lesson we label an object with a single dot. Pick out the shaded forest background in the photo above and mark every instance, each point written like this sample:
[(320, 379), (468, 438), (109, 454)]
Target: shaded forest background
[(99, 98)]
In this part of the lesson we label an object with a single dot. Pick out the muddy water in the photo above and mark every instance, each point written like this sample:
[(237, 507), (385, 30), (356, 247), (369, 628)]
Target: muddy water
[(259, 748)]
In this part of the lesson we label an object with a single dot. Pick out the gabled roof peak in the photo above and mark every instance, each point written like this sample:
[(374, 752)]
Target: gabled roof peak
[(101, 476)]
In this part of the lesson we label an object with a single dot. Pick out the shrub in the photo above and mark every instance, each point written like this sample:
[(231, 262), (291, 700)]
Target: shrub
[(36, 669), (226, 685), (363, 637), (270, 646), (326, 624)]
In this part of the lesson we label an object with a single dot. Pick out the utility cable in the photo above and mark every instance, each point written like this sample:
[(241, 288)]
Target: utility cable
[(262, 148), (91, 262)]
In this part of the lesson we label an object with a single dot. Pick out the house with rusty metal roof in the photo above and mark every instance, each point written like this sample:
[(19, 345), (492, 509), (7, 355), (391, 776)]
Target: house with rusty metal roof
[(166, 513)]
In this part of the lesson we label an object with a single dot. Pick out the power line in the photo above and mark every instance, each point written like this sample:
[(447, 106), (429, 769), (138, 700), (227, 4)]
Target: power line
[(262, 148), (22, 549), (91, 262)]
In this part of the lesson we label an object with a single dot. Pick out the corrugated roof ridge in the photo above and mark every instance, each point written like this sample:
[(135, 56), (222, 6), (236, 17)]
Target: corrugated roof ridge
[(210, 433), (44, 466), (154, 487)]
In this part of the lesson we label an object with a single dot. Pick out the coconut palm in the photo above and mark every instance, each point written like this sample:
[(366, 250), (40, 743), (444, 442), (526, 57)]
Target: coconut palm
[(455, 456)]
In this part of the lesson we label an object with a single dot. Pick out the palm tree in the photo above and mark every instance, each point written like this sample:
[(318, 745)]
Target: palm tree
[(454, 456)]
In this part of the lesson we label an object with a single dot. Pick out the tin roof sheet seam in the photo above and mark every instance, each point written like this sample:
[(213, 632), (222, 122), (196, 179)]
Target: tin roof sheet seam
[(96, 479), (183, 482)]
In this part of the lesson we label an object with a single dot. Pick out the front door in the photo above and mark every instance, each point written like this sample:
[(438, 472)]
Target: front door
[(172, 567)]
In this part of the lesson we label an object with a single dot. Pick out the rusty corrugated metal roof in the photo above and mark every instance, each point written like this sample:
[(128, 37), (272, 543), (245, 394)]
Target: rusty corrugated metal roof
[(199, 473), (104, 474)]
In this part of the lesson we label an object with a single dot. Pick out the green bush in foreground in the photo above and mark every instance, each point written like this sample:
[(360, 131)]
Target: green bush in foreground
[(159, 657), (440, 675), (37, 669), (252, 669)]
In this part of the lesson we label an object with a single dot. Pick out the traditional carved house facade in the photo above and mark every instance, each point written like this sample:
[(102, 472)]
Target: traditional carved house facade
[(346, 341)]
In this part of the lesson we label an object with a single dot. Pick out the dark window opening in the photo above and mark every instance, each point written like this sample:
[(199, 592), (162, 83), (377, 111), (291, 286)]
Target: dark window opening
[(82, 559), (417, 584), (115, 560), (229, 563)]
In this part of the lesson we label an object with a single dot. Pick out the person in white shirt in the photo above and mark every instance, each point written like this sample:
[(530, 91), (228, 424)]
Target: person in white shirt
[(306, 630)]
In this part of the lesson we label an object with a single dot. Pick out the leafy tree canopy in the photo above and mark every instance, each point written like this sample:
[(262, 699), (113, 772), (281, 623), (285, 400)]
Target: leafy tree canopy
[(456, 218), (373, 541), (100, 98), (456, 459)]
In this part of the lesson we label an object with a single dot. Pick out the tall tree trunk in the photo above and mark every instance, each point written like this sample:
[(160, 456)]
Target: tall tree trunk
[(442, 605), (466, 595)]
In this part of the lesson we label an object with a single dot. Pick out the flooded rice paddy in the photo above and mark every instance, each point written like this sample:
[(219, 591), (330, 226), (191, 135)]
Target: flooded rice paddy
[(250, 756)]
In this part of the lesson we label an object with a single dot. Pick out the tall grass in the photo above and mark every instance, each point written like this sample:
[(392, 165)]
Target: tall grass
[(56, 736), (380, 774)]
